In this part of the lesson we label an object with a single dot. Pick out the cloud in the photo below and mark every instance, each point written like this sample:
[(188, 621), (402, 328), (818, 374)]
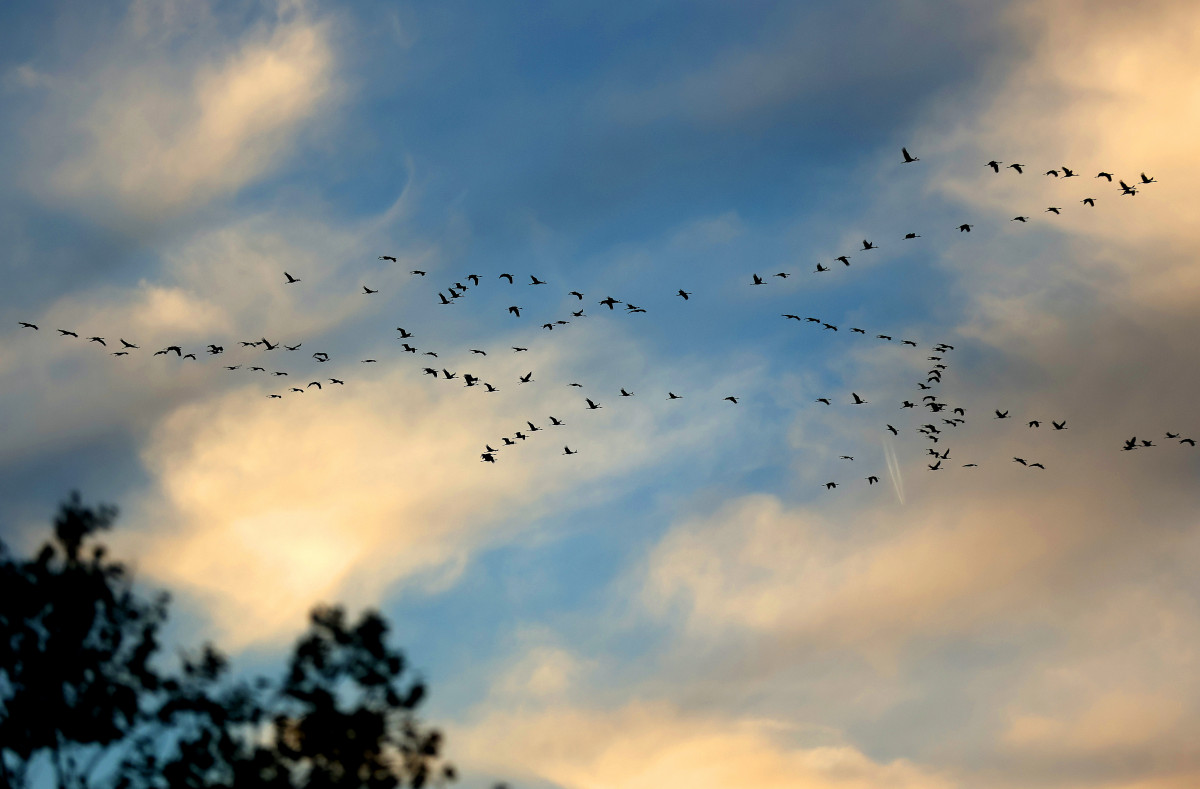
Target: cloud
[(150, 126), (641, 745), (343, 493)]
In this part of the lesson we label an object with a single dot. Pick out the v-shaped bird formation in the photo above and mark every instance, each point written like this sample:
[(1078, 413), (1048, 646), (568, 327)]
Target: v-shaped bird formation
[(945, 418)]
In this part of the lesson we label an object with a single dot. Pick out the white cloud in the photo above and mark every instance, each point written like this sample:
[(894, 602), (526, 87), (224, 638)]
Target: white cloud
[(153, 126)]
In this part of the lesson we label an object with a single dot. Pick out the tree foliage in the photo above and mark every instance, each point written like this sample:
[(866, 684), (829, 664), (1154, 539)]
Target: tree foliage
[(81, 688)]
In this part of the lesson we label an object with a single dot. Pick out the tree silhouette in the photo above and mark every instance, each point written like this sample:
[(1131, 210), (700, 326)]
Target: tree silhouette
[(79, 687)]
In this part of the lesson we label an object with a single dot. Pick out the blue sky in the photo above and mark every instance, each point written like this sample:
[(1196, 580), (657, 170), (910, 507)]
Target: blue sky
[(682, 603)]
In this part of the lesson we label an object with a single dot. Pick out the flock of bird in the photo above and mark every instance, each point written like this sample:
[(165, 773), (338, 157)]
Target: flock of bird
[(944, 417)]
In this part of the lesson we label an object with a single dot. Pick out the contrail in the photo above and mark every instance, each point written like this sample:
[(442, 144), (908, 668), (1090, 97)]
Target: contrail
[(894, 470)]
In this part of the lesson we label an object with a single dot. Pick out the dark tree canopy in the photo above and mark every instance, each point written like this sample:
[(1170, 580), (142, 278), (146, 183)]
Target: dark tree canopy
[(81, 689)]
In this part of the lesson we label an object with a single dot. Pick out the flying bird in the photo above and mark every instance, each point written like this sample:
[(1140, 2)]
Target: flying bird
[(1105, 175), (508, 277), (66, 333), (1059, 425), (1017, 167), (1053, 209), (908, 158), (683, 294), (25, 325), (388, 257), (844, 258), (568, 451), (290, 278), (591, 405), (367, 290), (576, 294), (536, 281), (1089, 201), (965, 228), (733, 400), (858, 400), (515, 311)]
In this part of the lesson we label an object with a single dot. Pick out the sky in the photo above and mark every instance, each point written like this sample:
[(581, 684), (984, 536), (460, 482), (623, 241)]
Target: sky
[(683, 603)]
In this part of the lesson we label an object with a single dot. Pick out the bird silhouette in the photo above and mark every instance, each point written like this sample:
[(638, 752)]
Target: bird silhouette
[(1017, 167), (673, 396), (844, 258), (476, 350), (1148, 180), (757, 280), (99, 340), (908, 236), (556, 422), (1001, 414), (1105, 175), (488, 457), (683, 294), (733, 400), (1068, 172), (626, 394), (824, 400), (388, 257), (894, 431), (591, 405), (508, 277), (610, 301), (908, 158), (568, 451), (1089, 201), (67, 333), (819, 269), (995, 165), (515, 311), (367, 290), (526, 378), (576, 294), (868, 245), (25, 325), (1059, 425), (858, 400), (830, 485), (536, 281), (290, 278), (965, 228), (1019, 219), (872, 480), (1053, 209)]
